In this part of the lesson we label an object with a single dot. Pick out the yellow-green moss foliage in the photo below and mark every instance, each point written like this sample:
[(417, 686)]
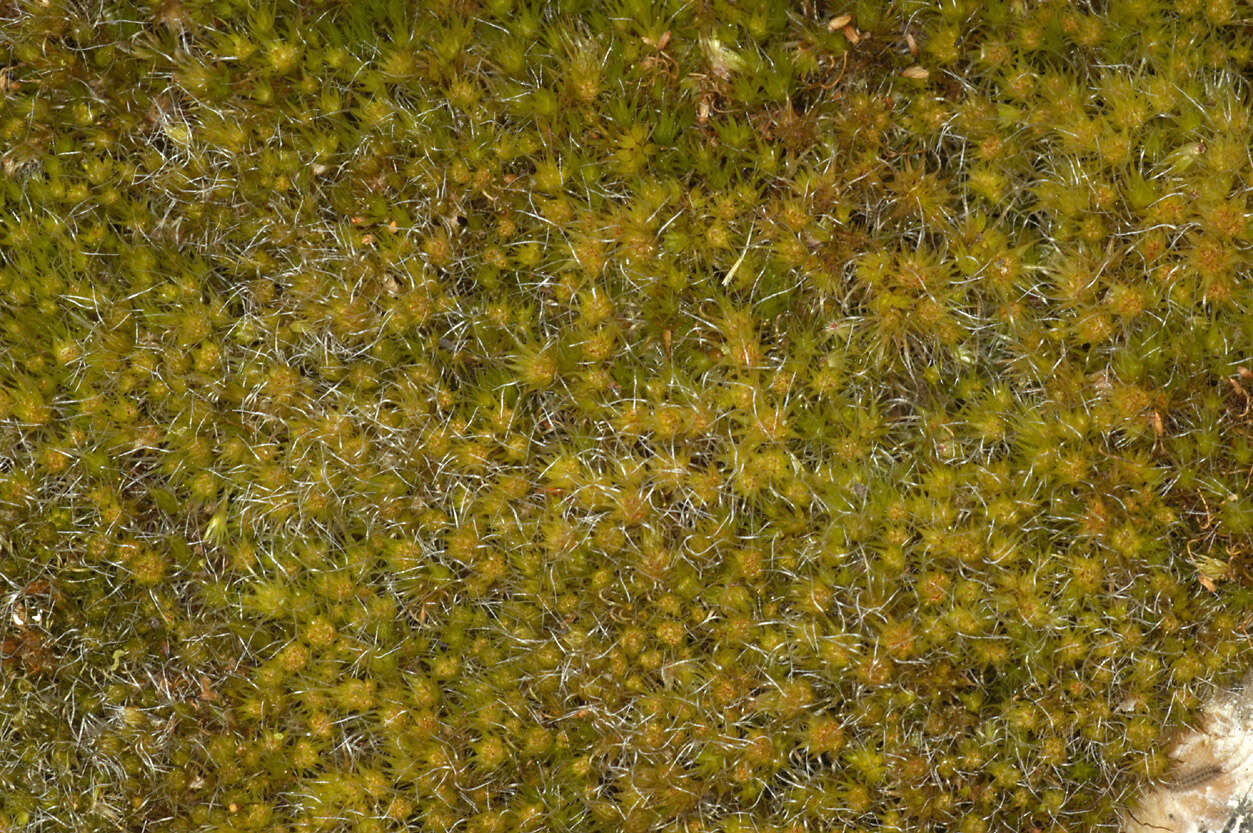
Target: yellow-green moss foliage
[(642, 415)]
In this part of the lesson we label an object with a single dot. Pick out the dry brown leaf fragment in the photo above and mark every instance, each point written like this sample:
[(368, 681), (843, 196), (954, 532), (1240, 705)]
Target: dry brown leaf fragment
[(839, 22), (659, 42), (1248, 400), (916, 73)]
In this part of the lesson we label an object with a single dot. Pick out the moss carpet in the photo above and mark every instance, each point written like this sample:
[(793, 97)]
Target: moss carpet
[(646, 415)]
